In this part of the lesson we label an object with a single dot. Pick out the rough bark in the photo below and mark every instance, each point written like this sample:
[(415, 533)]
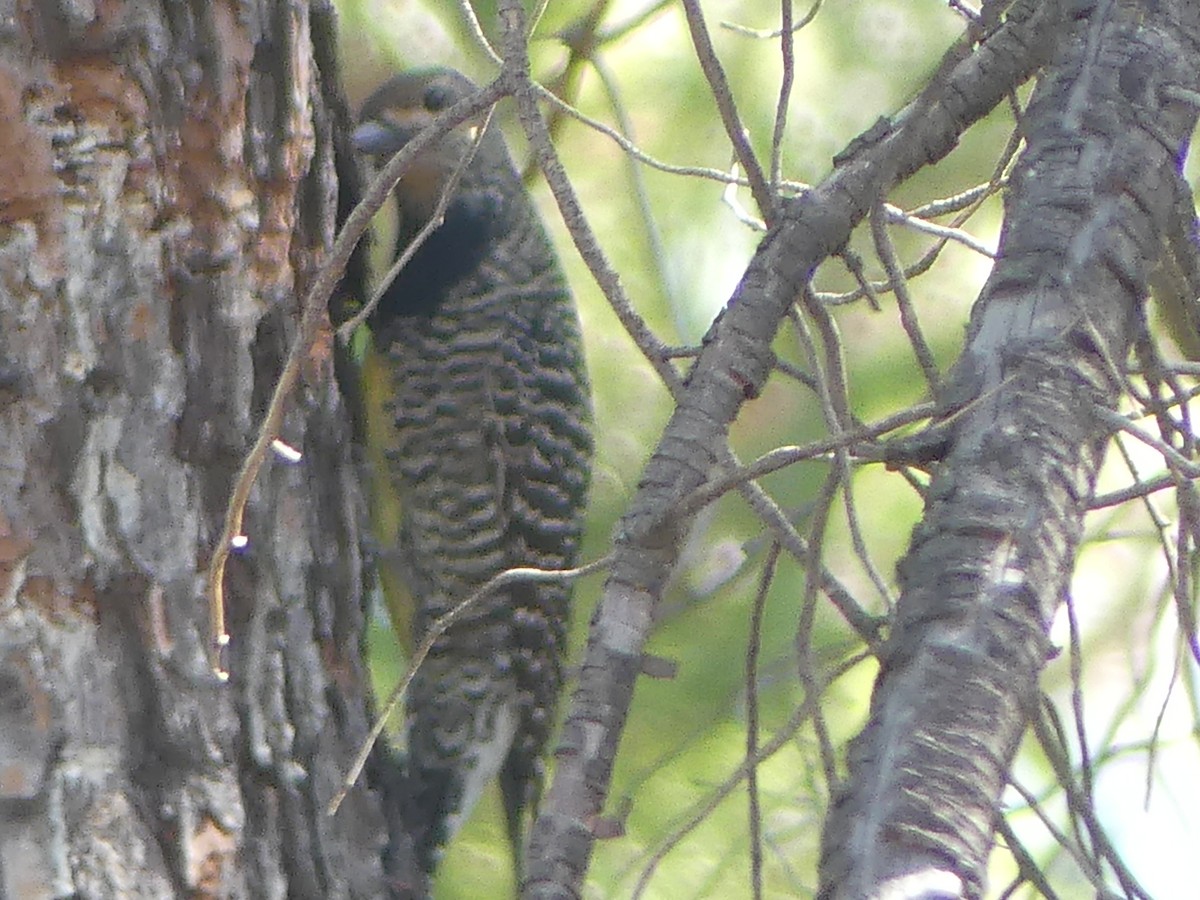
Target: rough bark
[(167, 192), (991, 561)]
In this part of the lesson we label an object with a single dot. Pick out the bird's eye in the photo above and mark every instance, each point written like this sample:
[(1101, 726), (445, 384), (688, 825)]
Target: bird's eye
[(437, 97)]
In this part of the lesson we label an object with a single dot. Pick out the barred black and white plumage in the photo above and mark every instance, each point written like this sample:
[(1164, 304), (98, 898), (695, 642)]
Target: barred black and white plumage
[(488, 447)]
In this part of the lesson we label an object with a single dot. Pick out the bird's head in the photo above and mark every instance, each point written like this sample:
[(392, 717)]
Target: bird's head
[(397, 111)]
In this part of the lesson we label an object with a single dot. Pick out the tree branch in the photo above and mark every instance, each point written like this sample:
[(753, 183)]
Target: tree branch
[(730, 369)]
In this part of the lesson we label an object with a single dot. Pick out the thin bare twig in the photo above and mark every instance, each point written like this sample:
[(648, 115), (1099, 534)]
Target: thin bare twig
[(632, 149), (606, 277), (658, 253), (1141, 488), (913, 222), (1052, 742), (1174, 459), (346, 329), (313, 314), (805, 665), (866, 625), (771, 34), (833, 391), (635, 21), (787, 52), (723, 790), (854, 264), (1026, 866), (782, 457), (1066, 843), (582, 40), (753, 647), (516, 575), (734, 130), (904, 302), (476, 30), (1075, 645)]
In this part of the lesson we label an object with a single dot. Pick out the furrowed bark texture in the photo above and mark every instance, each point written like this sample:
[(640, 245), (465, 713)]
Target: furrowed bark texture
[(167, 192), (992, 559), (731, 368)]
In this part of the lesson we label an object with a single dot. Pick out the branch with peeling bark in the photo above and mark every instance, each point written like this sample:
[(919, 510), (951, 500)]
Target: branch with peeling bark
[(990, 562)]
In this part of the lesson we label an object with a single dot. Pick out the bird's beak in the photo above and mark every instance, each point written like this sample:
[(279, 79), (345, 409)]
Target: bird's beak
[(376, 139)]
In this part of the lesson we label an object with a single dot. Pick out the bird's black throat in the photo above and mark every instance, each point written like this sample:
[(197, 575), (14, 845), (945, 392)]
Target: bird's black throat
[(450, 254)]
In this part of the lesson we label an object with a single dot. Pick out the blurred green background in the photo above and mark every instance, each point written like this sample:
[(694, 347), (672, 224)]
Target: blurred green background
[(680, 250)]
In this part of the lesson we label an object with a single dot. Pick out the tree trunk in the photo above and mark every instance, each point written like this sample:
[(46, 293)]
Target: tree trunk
[(168, 192), (1088, 212)]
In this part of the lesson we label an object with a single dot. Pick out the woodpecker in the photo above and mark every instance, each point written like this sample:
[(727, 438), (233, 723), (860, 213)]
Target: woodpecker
[(483, 413)]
